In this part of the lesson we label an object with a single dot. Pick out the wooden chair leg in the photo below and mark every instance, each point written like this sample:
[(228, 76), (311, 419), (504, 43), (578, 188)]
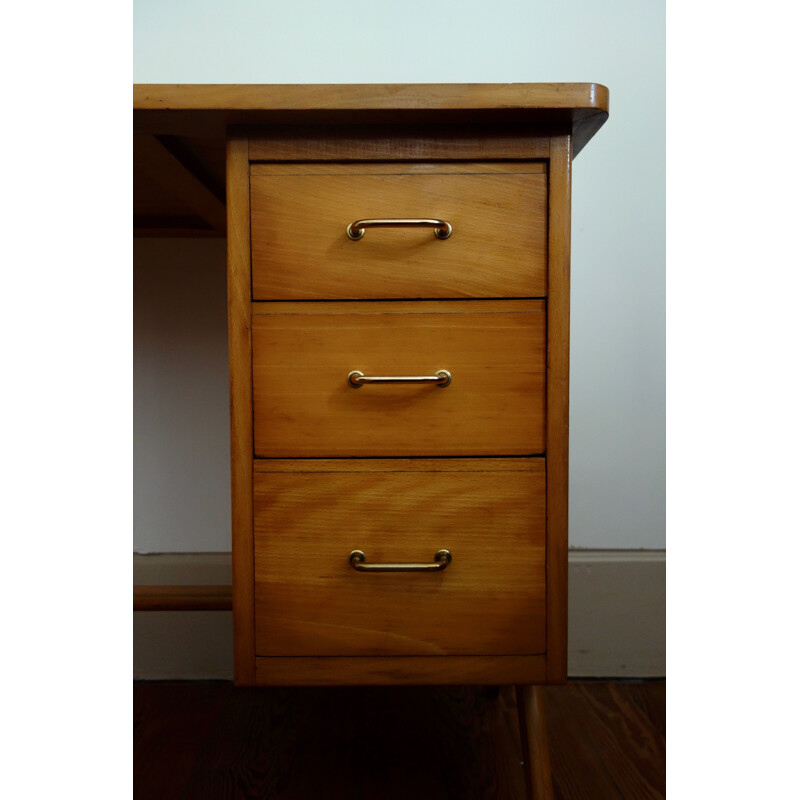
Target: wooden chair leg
[(535, 749)]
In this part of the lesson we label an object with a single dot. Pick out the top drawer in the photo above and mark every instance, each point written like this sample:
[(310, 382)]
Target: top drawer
[(301, 251)]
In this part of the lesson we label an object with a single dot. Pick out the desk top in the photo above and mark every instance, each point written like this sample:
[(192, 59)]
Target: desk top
[(207, 109), (179, 129)]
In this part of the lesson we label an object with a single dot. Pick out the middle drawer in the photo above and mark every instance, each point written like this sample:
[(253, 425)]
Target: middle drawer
[(305, 407)]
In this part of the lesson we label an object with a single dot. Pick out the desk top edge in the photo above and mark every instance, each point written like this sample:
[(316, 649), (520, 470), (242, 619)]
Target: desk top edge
[(368, 97), (209, 110)]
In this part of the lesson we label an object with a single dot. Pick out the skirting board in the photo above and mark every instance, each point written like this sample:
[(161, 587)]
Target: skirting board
[(617, 610)]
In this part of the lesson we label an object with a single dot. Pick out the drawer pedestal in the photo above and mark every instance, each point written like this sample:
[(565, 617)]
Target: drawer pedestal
[(346, 492)]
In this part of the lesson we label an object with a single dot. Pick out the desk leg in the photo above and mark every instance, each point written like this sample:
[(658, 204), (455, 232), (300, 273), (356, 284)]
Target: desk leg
[(535, 749)]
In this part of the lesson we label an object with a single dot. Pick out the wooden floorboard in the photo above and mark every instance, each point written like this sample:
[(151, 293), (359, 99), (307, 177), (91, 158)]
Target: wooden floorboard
[(170, 724), (210, 741)]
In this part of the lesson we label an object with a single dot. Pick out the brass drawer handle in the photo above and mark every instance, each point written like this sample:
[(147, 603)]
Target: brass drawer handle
[(441, 228), (440, 562), (357, 379)]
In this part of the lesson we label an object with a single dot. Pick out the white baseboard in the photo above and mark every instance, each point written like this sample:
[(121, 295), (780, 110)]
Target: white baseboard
[(617, 610), (617, 614)]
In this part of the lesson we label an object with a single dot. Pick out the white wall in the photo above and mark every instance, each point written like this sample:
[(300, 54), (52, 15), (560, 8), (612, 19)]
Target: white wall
[(618, 235)]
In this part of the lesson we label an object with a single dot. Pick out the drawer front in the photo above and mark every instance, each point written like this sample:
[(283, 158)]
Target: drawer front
[(490, 599), (304, 406), (301, 251)]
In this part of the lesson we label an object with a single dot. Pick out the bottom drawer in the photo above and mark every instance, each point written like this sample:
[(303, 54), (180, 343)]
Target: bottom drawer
[(310, 515)]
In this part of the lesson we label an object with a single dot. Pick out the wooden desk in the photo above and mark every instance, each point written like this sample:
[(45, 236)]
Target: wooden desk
[(402, 531)]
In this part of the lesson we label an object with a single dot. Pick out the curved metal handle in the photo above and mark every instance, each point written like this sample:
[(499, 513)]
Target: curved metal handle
[(441, 228), (357, 379), (440, 562)]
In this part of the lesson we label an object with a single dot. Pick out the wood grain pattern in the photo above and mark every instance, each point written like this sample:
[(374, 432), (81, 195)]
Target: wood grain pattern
[(400, 97), (300, 250), (411, 122), (558, 406), (241, 391), (534, 464), (405, 143), (406, 168), (311, 602), (535, 744), (604, 745), (182, 598), (363, 307), (209, 741), (206, 110), (169, 728), (159, 172), (304, 406), (399, 670)]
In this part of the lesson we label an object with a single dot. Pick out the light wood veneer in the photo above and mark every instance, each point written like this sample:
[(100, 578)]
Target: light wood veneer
[(490, 600), (498, 247), (480, 467), (304, 406)]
